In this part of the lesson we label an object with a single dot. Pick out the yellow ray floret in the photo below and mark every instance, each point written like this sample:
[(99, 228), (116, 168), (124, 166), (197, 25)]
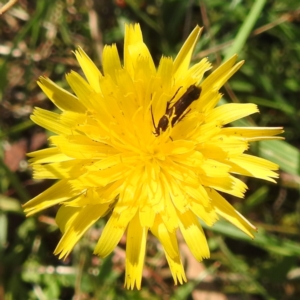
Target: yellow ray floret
[(135, 253), (89, 69), (74, 222), (60, 97)]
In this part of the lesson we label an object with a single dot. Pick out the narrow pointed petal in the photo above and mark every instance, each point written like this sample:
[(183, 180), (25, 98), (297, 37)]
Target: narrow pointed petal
[(225, 210), (166, 237), (135, 253), (81, 88), (90, 70), (177, 269), (60, 97), (183, 58), (50, 121), (111, 60), (110, 237), (255, 167), (48, 155), (193, 235), (231, 112), (57, 193), (74, 222)]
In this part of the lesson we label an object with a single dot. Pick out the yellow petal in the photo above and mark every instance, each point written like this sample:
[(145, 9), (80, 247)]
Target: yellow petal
[(183, 58), (177, 270), (206, 214), (60, 170), (110, 236), (133, 35), (81, 88), (90, 70), (230, 112), (81, 147), (135, 49), (217, 79), (254, 133), (167, 238), (57, 193), (135, 253), (60, 97), (193, 235), (50, 121), (228, 184), (111, 60), (225, 210), (254, 166), (74, 222), (48, 155), (147, 216)]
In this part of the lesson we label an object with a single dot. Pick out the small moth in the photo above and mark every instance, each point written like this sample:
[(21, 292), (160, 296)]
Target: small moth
[(176, 112)]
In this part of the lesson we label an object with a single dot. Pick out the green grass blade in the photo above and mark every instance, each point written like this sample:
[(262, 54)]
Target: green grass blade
[(245, 29), (282, 153)]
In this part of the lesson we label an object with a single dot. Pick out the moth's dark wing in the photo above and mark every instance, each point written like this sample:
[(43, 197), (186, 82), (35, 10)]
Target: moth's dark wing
[(191, 94)]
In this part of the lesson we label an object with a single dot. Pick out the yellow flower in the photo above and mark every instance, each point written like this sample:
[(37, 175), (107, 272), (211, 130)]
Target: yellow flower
[(121, 148)]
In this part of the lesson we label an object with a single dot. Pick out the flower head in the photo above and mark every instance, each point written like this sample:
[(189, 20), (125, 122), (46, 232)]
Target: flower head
[(147, 145)]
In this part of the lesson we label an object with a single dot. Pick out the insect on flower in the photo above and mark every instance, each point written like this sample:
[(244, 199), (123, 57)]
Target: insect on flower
[(177, 111)]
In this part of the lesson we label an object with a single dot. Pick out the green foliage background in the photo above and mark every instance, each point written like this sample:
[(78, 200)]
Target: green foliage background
[(38, 37)]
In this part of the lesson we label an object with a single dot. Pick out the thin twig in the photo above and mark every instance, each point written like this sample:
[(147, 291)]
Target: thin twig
[(7, 6), (287, 17)]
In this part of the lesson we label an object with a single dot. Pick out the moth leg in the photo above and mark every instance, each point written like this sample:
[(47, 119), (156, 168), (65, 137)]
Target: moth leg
[(169, 102), (179, 119)]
